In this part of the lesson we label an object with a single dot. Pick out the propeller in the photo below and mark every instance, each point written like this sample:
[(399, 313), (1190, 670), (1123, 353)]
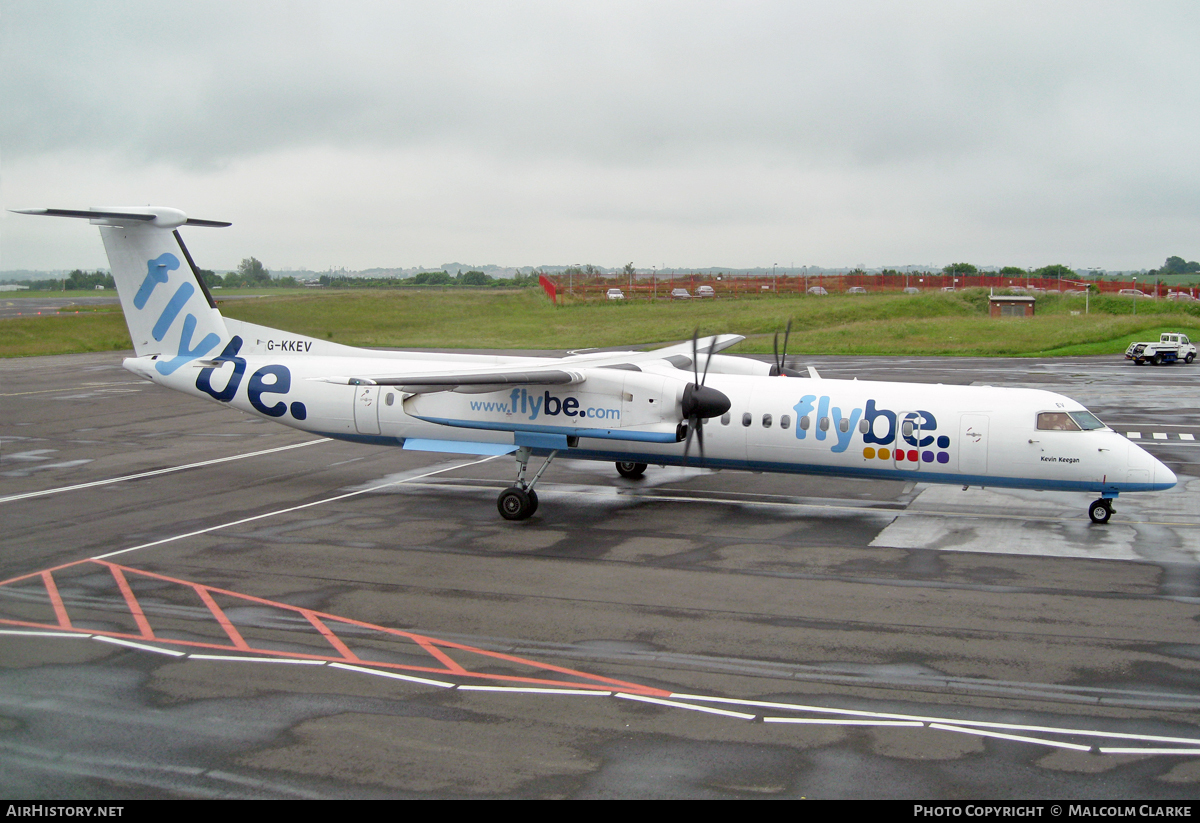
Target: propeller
[(779, 369), (700, 402)]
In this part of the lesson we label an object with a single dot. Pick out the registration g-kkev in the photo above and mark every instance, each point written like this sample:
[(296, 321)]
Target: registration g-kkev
[(635, 408)]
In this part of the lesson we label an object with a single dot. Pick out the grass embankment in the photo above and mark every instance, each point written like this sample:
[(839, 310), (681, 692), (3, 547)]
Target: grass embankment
[(883, 324)]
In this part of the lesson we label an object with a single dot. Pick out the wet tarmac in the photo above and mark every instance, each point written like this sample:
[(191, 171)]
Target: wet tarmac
[(197, 603)]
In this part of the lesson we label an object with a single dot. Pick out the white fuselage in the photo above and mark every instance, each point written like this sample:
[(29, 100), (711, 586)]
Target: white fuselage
[(980, 436)]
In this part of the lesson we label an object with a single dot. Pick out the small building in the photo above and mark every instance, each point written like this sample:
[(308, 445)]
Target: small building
[(1011, 306)]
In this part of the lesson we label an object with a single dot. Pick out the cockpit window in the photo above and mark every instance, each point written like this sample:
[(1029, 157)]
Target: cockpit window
[(1056, 422), (1086, 420)]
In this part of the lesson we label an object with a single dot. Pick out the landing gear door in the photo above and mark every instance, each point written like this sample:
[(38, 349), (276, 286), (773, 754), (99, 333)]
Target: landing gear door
[(907, 455), (973, 444), (366, 409)]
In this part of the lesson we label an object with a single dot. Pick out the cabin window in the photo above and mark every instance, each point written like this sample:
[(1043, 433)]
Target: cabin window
[(804, 423), (824, 424), (390, 399), (1056, 422), (907, 428), (864, 426), (785, 422), (766, 421), (725, 419), (844, 424), (747, 419)]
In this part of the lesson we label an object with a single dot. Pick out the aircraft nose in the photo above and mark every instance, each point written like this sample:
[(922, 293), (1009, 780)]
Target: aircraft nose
[(1164, 478)]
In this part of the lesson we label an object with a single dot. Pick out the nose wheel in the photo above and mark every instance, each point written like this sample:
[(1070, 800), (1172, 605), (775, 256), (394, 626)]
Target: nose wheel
[(1100, 510)]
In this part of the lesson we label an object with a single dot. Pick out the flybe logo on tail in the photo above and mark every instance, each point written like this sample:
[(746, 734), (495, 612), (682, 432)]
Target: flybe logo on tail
[(272, 379), (887, 435), (158, 272)]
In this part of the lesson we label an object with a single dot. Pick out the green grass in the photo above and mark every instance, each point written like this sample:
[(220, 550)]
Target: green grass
[(879, 324)]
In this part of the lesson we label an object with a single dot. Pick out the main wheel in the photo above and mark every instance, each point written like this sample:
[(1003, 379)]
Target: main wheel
[(1100, 510), (631, 470), (515, 503)]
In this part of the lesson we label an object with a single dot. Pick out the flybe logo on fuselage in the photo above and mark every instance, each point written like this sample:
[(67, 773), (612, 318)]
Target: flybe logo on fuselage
[(887, 435), (158, 272)]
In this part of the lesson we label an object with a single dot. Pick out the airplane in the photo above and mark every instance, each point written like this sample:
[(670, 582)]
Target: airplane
[(633, 408)]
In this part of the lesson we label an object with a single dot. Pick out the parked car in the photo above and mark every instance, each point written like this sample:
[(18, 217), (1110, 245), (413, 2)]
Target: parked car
[(680, 294), (911, 290), (705, 291), (817, 290), (1180, 295), (856, 290), (1134, 293), (616, 294)]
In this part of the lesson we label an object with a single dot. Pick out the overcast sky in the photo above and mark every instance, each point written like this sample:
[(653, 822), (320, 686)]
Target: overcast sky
[(669, 134)]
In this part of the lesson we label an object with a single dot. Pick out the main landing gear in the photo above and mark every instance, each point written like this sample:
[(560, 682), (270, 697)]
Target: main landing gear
[(1101, 510), (519, 501), (631, 470)]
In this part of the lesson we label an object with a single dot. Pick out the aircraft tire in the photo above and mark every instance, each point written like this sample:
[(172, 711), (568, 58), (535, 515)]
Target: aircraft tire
[(514, 504), (1100, 510), (631, 470), (533, 502)]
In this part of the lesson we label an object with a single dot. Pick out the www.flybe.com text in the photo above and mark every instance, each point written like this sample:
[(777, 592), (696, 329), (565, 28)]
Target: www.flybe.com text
[(522, 402)]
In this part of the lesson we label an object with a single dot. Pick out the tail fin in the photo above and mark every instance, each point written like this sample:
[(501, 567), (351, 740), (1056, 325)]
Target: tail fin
[(167, 306)]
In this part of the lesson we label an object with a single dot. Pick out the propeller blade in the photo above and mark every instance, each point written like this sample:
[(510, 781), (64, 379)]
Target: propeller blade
[(695, 354), (687, 444), (707, 360), (700, 437)]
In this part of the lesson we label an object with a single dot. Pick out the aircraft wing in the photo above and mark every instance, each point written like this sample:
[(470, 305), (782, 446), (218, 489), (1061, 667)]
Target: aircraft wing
[(470, 382), (704, 345)]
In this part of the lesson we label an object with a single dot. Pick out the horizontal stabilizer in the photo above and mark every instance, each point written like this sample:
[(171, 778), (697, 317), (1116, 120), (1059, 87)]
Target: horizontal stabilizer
[(161, 217), (457, 447)]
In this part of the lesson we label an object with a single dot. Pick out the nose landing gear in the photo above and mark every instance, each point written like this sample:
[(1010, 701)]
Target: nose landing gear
[(1101, 510), (519, 501)]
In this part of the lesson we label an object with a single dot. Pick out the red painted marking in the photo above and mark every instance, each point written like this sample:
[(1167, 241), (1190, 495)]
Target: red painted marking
[(440, 655), (136, 610), (234, 635), (333, 639), (432, 646), (60, 611)]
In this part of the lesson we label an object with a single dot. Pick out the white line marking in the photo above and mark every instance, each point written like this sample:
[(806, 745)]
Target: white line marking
[(512, 689), (1186, 436), (1106, 750), (291, 509), (825, 721), (256, 659), (116, 641), (20, 633), (678, 705), (1160, 435), (1018, 738), (952, 721), (78, 486), (392, 675), (1134, 435)]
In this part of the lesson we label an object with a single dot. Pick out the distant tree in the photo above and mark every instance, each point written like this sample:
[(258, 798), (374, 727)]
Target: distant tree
[(88, 280), (629, 272), (1177, 265), (474, 278), (432, 278), (591, 271), (1057, 270), (960, 268), (1013, 271), (253, 273), (211, 278)]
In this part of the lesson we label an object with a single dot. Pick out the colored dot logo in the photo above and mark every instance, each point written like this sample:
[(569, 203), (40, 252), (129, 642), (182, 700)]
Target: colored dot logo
[(940, 455)]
